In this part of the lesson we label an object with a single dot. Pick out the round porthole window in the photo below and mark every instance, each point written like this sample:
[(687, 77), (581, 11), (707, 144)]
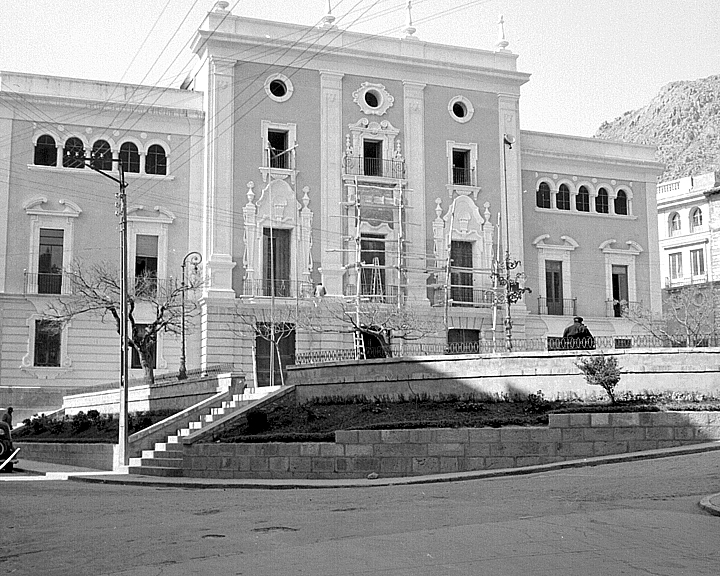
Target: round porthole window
[(373, 98), (461, 109), (278, 87)]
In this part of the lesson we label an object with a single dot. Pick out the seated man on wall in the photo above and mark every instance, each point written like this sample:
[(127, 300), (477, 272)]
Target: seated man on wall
[(577, 336)]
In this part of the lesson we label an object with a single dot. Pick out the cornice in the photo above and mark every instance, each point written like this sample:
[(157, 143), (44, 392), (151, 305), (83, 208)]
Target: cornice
[(102, 105)]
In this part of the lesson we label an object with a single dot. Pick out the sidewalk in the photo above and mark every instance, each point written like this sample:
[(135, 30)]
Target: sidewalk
[(60, 472)]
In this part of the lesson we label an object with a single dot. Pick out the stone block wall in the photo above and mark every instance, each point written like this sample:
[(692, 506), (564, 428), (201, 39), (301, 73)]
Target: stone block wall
[(555, 373), (357, 453), (97, 456)]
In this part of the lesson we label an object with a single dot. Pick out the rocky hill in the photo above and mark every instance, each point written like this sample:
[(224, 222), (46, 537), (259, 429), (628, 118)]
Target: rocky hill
[(683, 121)]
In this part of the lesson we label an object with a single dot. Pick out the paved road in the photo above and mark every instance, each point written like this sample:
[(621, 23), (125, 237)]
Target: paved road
[(636, 518)]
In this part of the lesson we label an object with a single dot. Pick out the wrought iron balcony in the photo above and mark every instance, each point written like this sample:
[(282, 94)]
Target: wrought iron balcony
[(557, 306), (45, 283), (278, 288), (464, 296), (385, 294), (463, 176), (376, 167)]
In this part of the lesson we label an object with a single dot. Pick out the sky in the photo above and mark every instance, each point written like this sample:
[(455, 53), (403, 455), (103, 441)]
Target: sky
[(590, 61)]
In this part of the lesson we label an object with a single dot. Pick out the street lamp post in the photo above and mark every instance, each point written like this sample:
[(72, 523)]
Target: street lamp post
[(513, 291), (121, 211), (194, 259)]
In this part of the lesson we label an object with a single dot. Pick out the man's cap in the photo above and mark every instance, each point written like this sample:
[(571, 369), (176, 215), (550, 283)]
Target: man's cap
[(578, 319)]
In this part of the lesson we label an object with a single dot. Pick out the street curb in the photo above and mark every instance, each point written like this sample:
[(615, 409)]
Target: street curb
[(708, 505), (294, 484)]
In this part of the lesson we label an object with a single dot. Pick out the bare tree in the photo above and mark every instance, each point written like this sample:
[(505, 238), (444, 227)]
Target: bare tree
[(378, 321), (688, 316), (272, 324), (95, 290)]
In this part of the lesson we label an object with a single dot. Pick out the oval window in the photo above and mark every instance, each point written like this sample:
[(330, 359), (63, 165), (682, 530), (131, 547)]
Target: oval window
[(278, 88)]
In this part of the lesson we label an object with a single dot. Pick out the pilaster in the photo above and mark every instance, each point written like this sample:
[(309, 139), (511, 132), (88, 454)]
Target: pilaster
[(331, 150), (5, 156), (416, 228), (510, 174), (219, 160)]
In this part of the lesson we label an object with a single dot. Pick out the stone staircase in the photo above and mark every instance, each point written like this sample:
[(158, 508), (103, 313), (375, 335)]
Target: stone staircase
[(166, 458)]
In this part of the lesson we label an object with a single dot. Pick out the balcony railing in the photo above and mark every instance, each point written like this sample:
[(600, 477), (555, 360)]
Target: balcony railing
[(387, 294), (378, 167), (549, 343), (44, 283), (557, 306), (463, 176), (278, 288), (464, 296)]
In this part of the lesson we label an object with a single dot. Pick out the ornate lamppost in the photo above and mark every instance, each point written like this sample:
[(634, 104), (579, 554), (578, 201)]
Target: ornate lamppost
[(194, 259), (512, 291)]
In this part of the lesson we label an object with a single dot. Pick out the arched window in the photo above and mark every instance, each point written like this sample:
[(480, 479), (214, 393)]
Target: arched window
[(45, 151), (73, 153), (695, 220), (563, 198), (130, 157), (601, 202), (102, 155), (621, 203), (155, 160), (542, 197), (582, 200), (674, 224)]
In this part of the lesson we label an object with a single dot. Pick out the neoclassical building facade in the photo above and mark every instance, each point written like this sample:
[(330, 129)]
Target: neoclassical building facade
[(319, 163)]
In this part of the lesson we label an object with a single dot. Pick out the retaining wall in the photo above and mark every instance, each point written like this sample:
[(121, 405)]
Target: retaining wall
[(97, 456), (163, 395), (555, 373), (357, 453)]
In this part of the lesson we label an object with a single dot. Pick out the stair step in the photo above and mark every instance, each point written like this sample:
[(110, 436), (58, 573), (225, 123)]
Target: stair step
[(173, 439), (195, 425), (161, 462), (162, 453), (183, 432), (155, 471)]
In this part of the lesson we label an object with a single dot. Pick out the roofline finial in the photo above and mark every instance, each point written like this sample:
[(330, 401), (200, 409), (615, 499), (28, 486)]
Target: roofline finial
[(502, 43), (328, 21), (409, 28)]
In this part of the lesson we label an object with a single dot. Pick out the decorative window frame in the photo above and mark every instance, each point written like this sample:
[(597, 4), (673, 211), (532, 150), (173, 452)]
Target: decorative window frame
[(574, 186), (620, 257), (551, 185), (278, 208), (463, 222), (672, 218), (59, 147), (382, 131), (469, 109), (27, 364), (288, 86), (278, 173), (157, 224), (61, 139), (692, 227), (63, 219), (140, 223), (459, 189), (385, 99), (555, 252)]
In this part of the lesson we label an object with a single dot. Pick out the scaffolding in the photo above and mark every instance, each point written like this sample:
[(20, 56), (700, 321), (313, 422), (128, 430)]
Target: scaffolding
[(381, 208)]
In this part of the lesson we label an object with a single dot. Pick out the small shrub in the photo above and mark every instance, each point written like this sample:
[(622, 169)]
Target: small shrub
[(601, 370), (257, 421), (80, 422), (537, 403)]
